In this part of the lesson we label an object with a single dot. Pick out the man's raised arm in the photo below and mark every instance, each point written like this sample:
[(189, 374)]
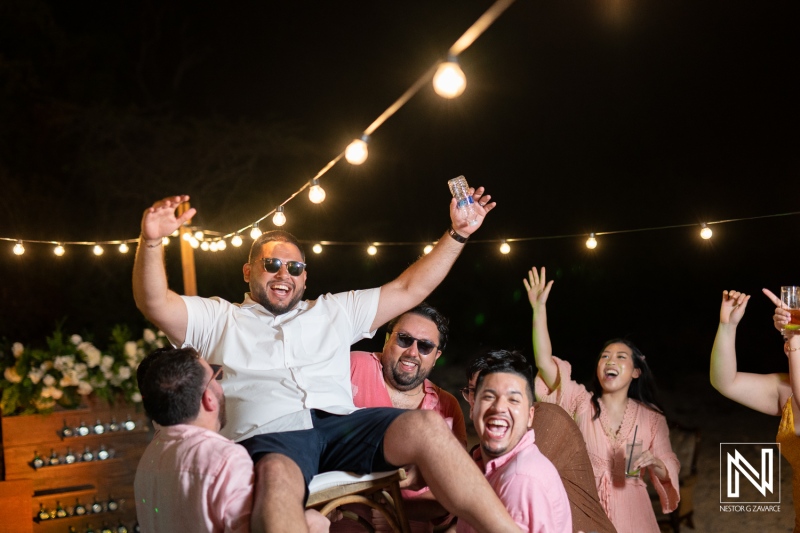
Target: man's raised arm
[(421, 278), (155, 300)]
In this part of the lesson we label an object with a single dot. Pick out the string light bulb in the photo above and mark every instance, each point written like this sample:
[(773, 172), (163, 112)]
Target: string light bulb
[(236, 240), (255, 233), (449, 80), (213, 246), (427, 249), (98, 250), (187, 236), (199, 235), (357, 151), (705, 232), (317, 248), (372, 250), (19, 249), (316, 193), (123, 248), (165, 240), (279, 219), (221, 244), (194, 243), (591, 242), (505, 248), (59, 250), (204, 245)]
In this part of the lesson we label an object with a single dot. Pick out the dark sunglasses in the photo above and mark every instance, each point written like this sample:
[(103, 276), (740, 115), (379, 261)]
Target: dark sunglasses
[(216, 373), (273, 264), (404, 340)]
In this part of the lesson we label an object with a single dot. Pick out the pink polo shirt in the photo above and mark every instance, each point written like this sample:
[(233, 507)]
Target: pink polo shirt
[(193, 479), (529, 486)]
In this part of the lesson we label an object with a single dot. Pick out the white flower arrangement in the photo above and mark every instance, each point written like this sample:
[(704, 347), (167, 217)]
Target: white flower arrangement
[(36, 380)]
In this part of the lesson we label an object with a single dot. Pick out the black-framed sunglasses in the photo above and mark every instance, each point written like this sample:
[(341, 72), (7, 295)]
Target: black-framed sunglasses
[(216, 373), (404, 340), (273, 264), (466, 391)]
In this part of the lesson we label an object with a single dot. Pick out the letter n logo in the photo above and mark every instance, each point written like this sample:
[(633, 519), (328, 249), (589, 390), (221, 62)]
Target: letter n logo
[(747, 472)]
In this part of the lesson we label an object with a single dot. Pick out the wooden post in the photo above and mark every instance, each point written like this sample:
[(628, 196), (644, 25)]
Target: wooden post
[(187, 256)]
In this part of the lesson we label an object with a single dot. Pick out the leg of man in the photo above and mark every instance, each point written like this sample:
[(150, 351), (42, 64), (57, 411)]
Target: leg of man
[(422, 438), (279, 493)]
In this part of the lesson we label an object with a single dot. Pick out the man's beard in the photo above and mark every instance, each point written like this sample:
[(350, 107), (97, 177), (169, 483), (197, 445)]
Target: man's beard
[(403, 380), (222, 416), (259, 294)]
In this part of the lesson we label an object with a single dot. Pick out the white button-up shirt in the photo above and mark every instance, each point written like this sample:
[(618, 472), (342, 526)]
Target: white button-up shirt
[(277, 368)]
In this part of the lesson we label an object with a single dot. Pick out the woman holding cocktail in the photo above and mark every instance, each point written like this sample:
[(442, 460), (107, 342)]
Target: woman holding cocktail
[(617, 416), (773, 394)]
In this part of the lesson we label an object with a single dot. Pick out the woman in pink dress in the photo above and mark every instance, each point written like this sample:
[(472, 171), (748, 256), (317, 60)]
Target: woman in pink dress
[(620, 404)]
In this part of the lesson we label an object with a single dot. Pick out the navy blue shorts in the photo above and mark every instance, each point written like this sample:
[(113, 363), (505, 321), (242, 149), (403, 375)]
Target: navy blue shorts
[(353, 443)]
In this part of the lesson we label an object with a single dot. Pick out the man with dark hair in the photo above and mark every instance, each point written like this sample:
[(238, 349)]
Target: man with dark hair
[(190, 477), (526, 481), (397, 377), (289, 391), (560, 440)]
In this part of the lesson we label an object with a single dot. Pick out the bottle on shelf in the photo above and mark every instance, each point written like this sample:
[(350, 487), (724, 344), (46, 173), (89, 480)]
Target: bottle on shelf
[(97, 507), (129, 424), (60, 511), (72, 529), (121, 528), (37, 462), (67, 431), (112, 504), (54, 459), (69, 457), (102, 453), (82, 430), (43, 513), (79, 509), (106, 529), (137, 528), (89, 529), (99, 428), (113, 426), (87, 454)]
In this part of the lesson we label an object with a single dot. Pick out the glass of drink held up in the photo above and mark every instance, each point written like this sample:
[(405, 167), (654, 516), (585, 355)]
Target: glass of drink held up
[(632, 452), (790, 300)]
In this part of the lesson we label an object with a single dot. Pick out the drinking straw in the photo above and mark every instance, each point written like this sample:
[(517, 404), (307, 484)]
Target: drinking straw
[(633, 445)]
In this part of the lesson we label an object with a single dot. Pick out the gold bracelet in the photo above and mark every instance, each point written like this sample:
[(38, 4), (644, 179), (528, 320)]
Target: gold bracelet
[(793, 349), (156, 245)]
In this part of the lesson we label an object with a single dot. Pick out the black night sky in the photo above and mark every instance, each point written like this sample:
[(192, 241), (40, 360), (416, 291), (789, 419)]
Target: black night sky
[(578, 116)]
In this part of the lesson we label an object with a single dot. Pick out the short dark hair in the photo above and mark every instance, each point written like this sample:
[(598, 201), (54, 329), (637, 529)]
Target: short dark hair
[(274, 235), (492, 357), (431, 313), (506, 362), (172, 382)]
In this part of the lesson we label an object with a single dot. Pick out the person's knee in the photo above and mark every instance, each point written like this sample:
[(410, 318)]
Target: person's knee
[(420, 424), (276, 469)]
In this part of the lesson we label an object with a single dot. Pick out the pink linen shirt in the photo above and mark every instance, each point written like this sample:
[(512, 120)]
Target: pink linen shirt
[(625, 500), (530, 488), (369, 390), (193, 479)]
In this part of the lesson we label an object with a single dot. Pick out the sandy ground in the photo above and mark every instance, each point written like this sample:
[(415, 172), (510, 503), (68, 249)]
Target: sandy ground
[(694, 403)]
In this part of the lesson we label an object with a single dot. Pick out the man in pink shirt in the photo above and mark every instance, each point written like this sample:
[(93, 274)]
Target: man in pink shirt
[(525, 480), (397, 377), (191, 478)]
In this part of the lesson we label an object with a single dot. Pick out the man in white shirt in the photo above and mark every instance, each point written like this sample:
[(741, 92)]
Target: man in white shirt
[(287, 362)]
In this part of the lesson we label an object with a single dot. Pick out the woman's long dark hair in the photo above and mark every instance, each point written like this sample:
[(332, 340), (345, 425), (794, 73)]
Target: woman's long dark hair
[(642, 389)]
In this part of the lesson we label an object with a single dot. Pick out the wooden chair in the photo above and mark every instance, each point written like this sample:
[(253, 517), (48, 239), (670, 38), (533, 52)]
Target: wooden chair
[(379, 490), (686, 444)]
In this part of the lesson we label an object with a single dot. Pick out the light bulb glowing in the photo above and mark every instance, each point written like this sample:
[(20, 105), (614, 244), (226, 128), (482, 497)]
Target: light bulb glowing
[(505, 248), (175, 233), (204, 246), (19, 249), (98, 250), (317, 248), (316, 193), (357, 152), (213, 246), (372, 250), (123, 248), (165, 240), (198, 235), (187, 236), (59, 250), (591, 242), (221, 244), (194, 243), (706, 232), (449, 80), (255, 233), (279, 219), (236, 240), (427, 249)]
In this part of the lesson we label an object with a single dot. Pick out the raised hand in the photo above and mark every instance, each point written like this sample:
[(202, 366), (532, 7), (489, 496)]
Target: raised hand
[(159, 220), (732, 309), (538, 287), (782, 316), (482, 205)]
